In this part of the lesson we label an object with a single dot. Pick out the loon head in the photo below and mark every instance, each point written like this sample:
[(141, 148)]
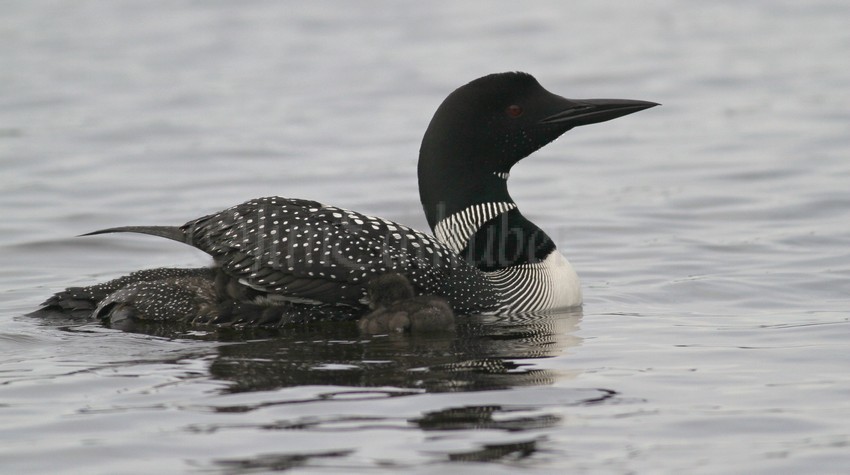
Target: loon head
[(485, 127)]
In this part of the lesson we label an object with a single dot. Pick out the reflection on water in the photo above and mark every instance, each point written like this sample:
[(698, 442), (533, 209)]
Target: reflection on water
[(479, 356), (492, 452), (486, 353), (274, 462), (485, 417)]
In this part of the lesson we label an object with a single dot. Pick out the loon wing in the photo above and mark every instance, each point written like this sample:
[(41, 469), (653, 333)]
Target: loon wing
[(304, 249), (307, 251)]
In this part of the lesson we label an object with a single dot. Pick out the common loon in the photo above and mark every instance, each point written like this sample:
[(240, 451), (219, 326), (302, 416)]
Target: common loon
[(397, 308), (280, 260)]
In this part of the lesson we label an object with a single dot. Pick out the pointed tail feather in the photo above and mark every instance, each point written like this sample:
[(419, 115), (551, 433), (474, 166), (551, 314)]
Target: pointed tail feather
[(168, 232)]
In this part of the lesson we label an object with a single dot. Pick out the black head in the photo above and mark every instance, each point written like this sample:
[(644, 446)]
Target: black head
[(485, 127)]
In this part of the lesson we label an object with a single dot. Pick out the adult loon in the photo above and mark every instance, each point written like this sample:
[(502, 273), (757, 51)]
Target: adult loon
[(283, 259)]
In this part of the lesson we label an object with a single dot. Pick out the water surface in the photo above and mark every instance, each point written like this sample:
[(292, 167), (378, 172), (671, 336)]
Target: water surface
[(711, 236)]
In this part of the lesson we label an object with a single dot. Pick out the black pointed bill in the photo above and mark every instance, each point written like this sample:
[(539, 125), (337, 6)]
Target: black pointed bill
[(592, 111)]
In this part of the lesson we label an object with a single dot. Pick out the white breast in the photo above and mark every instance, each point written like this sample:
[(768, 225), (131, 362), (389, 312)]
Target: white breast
[(545, 285), (567, 287)]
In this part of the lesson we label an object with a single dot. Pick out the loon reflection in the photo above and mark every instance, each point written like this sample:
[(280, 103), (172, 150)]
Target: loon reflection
[(485, 353)]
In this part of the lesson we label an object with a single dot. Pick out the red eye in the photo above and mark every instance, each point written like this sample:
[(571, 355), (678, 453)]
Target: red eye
[(514, 111)]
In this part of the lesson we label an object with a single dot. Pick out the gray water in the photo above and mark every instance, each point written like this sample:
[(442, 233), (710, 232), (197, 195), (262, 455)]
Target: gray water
[(711, 235)]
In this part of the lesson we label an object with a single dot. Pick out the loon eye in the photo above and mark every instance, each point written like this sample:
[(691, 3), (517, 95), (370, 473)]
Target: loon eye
[(514, 111)]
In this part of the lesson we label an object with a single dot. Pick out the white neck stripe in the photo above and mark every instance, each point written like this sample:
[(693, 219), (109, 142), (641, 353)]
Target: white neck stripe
[(455, 230)]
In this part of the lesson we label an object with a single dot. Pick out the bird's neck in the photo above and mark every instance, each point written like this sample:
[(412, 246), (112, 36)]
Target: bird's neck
[(447, 190), (472, 212)]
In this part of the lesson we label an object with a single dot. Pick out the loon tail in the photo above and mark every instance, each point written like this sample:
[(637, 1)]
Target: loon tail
[(168, 232)]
